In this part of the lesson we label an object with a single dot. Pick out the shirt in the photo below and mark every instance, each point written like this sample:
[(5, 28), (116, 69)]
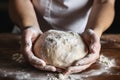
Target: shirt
[(69, 15)]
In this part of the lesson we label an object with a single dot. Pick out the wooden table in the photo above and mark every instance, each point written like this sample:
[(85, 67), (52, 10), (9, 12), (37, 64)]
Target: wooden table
[(11, 67)]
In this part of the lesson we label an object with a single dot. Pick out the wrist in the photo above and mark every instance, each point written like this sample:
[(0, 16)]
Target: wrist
[(98, 32), (32, 28), (25, 28)]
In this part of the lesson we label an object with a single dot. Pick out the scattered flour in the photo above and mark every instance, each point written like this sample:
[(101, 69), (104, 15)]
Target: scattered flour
[(103, 60), (18, 57), (57, 77), (107, 62), (19, 75), (65, 77)]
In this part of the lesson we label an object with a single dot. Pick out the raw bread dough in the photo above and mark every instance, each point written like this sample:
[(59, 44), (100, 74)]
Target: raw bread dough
[(60, 48)]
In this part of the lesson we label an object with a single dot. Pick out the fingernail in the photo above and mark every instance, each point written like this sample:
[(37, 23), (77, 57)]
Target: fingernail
[(53, 70)]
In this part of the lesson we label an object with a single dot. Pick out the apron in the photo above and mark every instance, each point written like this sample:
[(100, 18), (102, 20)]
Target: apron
[(68, 15)]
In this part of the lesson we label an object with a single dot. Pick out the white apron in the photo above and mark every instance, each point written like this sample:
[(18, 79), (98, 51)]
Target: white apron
[(70, 15)]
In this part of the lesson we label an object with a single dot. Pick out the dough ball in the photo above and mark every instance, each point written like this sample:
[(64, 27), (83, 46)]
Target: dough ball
[(60, 48)]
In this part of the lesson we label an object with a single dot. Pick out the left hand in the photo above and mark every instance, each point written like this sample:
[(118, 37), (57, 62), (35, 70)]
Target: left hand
[(29, 36), (93, 42)]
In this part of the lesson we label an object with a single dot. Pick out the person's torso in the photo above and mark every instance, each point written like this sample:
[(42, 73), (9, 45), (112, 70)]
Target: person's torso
[(65, 14)]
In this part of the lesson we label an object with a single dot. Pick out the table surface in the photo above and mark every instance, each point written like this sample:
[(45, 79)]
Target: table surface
[(14, 67)]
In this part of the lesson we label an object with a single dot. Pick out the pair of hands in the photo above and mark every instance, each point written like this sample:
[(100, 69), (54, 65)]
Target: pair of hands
[(31, 34)]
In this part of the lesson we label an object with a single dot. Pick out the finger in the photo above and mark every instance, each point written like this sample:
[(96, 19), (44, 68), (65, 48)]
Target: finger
[(76, 69), (46, 68), (34, 60), (60, 70), (87, 60)]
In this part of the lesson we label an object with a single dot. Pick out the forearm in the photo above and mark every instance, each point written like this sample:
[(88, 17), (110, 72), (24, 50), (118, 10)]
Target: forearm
[(101, 16), (22, 13)]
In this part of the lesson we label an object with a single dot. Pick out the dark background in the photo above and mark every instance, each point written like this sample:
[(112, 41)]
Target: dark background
[(6, 24)]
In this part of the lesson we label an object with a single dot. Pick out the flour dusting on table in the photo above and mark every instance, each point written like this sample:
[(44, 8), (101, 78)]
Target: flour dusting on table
[(107, 62), (17, 57)]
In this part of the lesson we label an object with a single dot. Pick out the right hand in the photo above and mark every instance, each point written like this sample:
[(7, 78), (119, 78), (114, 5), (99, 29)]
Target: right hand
[(92, 40), (29, 36)]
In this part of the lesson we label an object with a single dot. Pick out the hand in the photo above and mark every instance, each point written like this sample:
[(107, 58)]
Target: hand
[(93, 43), (29, 36)]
